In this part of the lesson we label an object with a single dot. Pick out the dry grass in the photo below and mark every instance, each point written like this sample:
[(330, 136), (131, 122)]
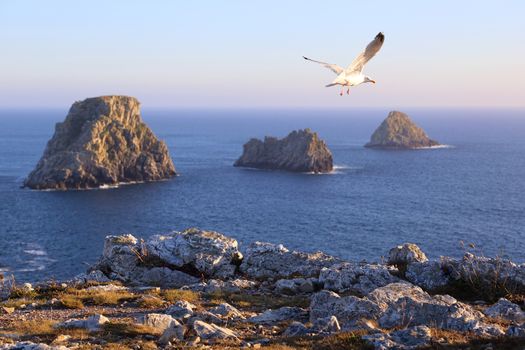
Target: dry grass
[(19, 292), (33, 327), (257, 301), (124, 330), (71, 302), (77, 298), (150, 302), (173, 295), (343, 340)]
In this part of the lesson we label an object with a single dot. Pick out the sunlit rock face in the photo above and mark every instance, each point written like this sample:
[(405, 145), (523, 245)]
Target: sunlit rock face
[(398, 131), (300, 151), (102, 141)]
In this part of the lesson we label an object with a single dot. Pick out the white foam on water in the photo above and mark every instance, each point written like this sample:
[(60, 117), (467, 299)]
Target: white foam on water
[(436, 147), (38, 252)]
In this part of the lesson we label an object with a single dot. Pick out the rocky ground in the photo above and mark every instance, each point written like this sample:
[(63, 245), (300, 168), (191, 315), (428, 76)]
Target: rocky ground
[(197, 290)]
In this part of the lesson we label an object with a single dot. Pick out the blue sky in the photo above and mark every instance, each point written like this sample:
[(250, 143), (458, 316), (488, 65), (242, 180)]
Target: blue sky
[(248, 53)]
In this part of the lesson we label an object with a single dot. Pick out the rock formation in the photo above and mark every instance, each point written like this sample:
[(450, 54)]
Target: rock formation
[(300, 151), (102, 141), (398, 131)]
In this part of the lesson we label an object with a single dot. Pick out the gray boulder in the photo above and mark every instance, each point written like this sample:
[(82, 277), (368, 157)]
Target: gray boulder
[(159, 322), (300, 151), (92, 323), (226, 311), (229, 286), (355, 277), (401, 305), (295, 286), (181, 310), (406, 254), (296, 329), (210, 253), (428, 275), (102, 141), (504, 309), (174, 260), (282, 314), (350, 311), (212, 332), (27, 345), (267, 260), (404, 339), (326, 325)]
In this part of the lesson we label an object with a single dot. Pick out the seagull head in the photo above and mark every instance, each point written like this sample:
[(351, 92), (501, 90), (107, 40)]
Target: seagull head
[(369, 80)]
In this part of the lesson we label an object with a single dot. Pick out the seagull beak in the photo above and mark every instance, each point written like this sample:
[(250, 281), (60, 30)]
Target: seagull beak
[(373, 81)]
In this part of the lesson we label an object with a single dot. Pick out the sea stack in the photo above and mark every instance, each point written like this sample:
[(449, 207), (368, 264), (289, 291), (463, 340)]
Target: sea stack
[(398, 131), (300, 151), (102, 141)]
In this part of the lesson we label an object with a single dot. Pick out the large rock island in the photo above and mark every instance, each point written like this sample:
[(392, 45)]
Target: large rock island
[(398, 131), (102, 141), (300, 151)]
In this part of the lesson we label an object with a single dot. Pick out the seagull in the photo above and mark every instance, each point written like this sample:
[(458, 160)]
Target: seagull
[(353, 74)]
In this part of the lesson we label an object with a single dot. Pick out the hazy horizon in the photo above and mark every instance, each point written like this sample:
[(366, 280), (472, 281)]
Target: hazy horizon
[(248, 55)]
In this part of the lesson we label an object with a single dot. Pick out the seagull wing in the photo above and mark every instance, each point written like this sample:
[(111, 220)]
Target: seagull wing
[(365, 56), (333, 67)]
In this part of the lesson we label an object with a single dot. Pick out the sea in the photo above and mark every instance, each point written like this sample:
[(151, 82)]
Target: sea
[(468, 195)]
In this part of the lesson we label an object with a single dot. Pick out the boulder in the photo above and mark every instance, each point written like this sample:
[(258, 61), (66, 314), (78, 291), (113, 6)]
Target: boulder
[(210, 253), (229, 286), (27, 345), (406, 254), (267, 260), (485, 276), (296, 329), (398, 131), (181, 310), (295, 285), (504, 309), (92, 323), (356, 278), (159, 322), (282, 314), (226, 311), (350, 311), (401, 305), (174, 332), (428, 275), (174, 260), (326, 325), (212, 332), (300, 151), (404, 339), (103, 141)]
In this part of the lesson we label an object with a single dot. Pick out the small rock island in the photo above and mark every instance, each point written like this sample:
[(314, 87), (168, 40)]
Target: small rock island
[(300, 151), (398, 131), (102, 141)]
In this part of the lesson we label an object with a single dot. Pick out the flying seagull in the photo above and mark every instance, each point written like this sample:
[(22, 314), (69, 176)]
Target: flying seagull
[(353, 74)]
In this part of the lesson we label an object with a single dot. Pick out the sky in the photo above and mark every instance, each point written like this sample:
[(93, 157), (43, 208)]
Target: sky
[(211, 54)]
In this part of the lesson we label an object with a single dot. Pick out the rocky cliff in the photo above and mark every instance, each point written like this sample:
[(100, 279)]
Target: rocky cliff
[(300, 151), (398, 131), (102, 141)]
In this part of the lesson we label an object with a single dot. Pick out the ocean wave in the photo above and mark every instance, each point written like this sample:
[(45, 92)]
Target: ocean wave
[(38, 252), (437, 147)]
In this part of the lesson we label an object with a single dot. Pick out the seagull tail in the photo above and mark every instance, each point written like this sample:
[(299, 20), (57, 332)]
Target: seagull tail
[(332, 84)]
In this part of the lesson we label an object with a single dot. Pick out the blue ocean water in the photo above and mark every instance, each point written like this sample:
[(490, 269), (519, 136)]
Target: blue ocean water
[(472, 191)]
